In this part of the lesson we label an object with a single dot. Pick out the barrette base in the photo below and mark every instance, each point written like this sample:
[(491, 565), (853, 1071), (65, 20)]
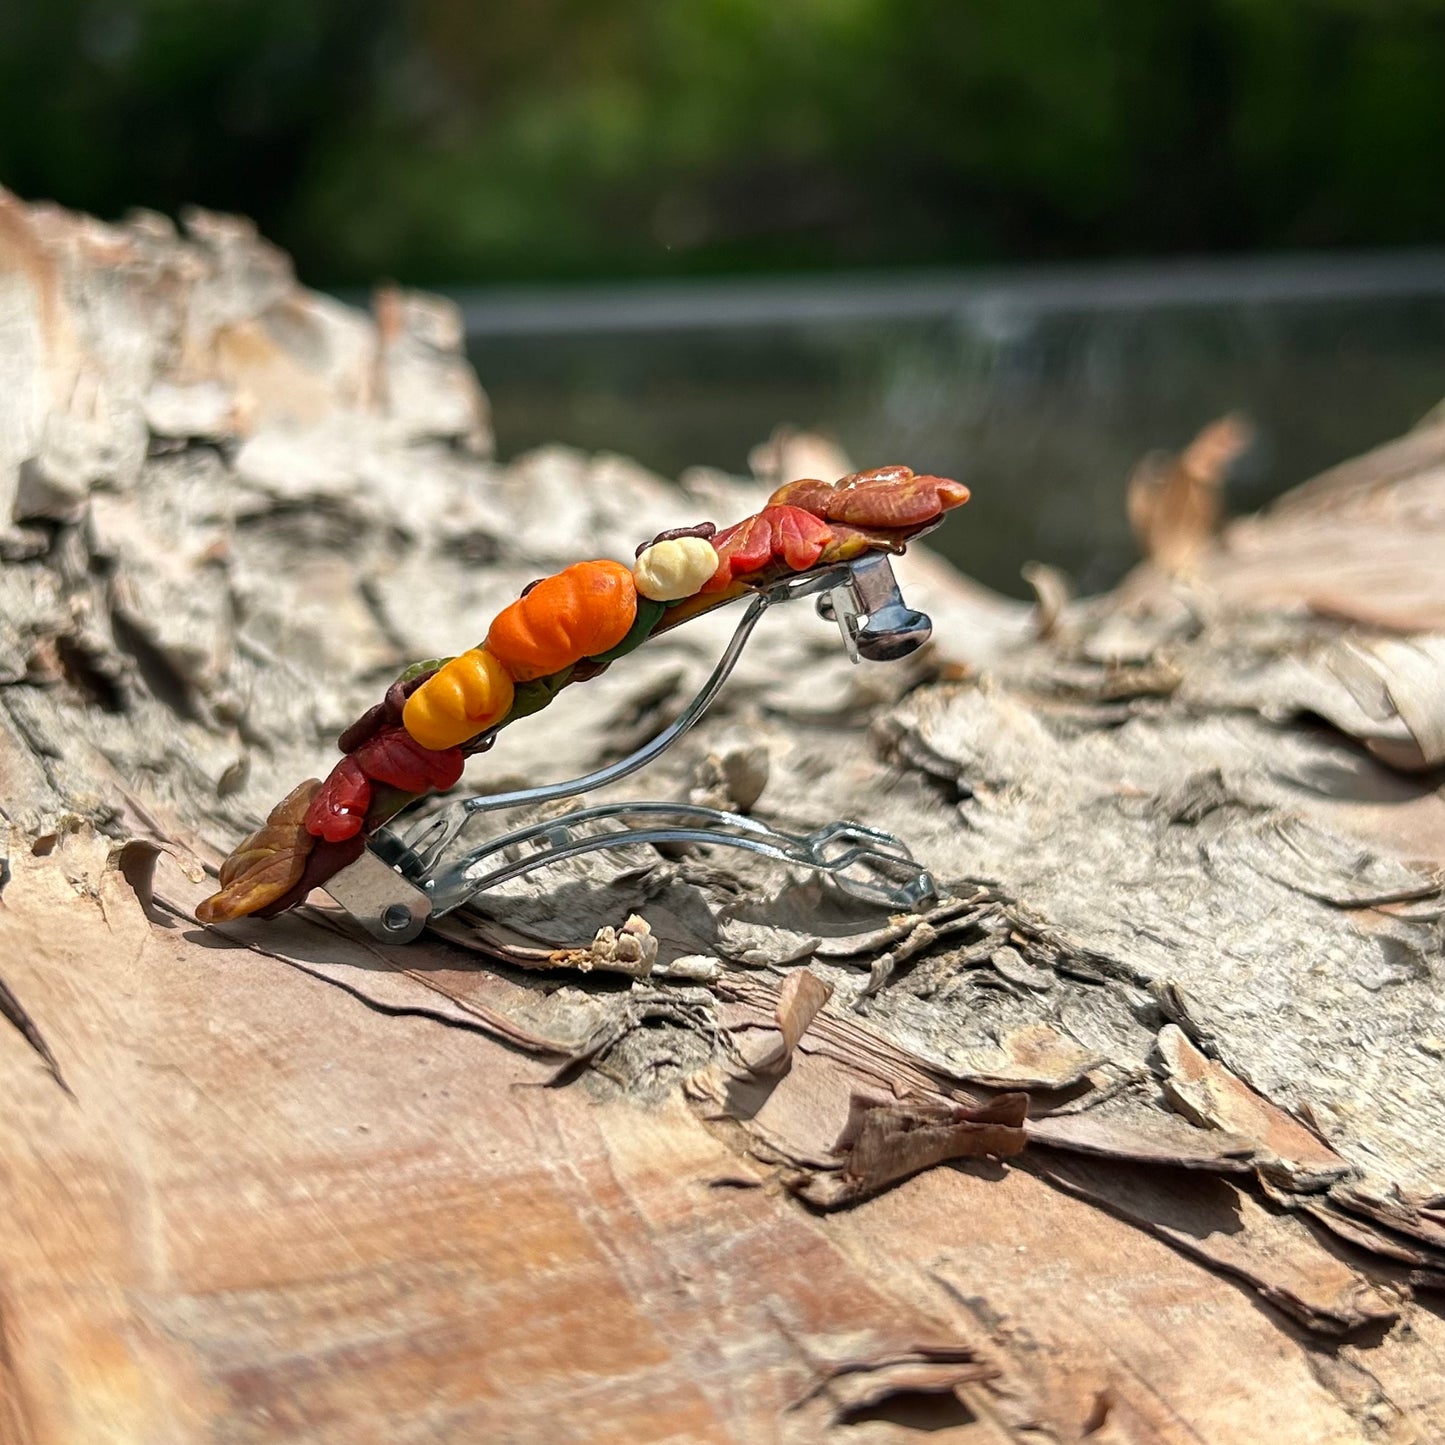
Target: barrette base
[(866, 863), (389, 906)]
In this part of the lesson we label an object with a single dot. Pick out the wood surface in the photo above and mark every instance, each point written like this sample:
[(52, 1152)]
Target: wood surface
[(1138, 1136)]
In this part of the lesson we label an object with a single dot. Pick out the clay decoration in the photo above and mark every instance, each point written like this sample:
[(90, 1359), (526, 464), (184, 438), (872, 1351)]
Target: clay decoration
[(563, 629)]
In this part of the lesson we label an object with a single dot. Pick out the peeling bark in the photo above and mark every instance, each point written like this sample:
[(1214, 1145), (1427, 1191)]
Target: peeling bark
[(1192, 835)]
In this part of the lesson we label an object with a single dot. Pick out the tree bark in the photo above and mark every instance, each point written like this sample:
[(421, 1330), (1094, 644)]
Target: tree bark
[(304, 1187)]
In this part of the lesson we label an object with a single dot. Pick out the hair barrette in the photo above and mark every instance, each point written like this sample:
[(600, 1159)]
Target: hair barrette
[(830, 541)]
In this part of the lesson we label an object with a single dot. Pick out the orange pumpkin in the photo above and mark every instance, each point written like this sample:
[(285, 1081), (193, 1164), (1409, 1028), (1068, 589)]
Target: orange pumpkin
[(582, 611)]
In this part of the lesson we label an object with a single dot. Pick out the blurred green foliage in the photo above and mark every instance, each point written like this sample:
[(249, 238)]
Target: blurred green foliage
[(473, 140)]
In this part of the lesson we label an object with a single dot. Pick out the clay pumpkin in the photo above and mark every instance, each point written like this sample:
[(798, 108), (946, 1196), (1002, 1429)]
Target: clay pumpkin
[(674, 568), (462, 698), (583, 611)]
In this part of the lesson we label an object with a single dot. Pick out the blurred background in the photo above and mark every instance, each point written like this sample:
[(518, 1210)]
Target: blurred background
[(1020, 242)]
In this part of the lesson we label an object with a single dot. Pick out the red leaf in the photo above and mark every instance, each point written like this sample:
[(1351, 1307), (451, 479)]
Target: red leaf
[(745, 547), (887, 499), (777, 533), (798, 536), (393, 756)]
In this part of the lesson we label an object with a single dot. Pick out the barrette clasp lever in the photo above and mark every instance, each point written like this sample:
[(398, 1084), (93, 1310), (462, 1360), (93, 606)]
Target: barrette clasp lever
[(871, 614)]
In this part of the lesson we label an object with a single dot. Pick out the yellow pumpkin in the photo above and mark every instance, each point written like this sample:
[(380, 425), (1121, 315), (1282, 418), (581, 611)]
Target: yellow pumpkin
[(584, 610), (461, 699)]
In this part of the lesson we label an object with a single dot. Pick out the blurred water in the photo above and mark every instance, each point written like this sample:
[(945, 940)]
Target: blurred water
[(1040, 391)]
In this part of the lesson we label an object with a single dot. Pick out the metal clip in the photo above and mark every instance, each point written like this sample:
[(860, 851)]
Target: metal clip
[(399, 883), (870, 612)]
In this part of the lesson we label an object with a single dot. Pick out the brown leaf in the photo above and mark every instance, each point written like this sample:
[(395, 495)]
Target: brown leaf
[(887, 499), (322, 863), (809, 493), (894, 497), (268, 864)]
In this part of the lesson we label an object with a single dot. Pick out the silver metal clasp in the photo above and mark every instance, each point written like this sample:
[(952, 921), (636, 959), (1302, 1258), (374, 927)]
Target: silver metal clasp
[(871, 614)]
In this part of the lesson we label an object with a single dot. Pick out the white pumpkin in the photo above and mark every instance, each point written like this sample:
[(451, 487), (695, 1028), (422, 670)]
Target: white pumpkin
[(675, 568)]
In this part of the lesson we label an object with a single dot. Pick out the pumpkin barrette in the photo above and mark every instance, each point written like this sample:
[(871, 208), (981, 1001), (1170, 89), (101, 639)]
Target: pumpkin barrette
[(831, 541)]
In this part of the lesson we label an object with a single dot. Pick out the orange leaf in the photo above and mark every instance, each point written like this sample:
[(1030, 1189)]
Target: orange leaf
[(266, 865)]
